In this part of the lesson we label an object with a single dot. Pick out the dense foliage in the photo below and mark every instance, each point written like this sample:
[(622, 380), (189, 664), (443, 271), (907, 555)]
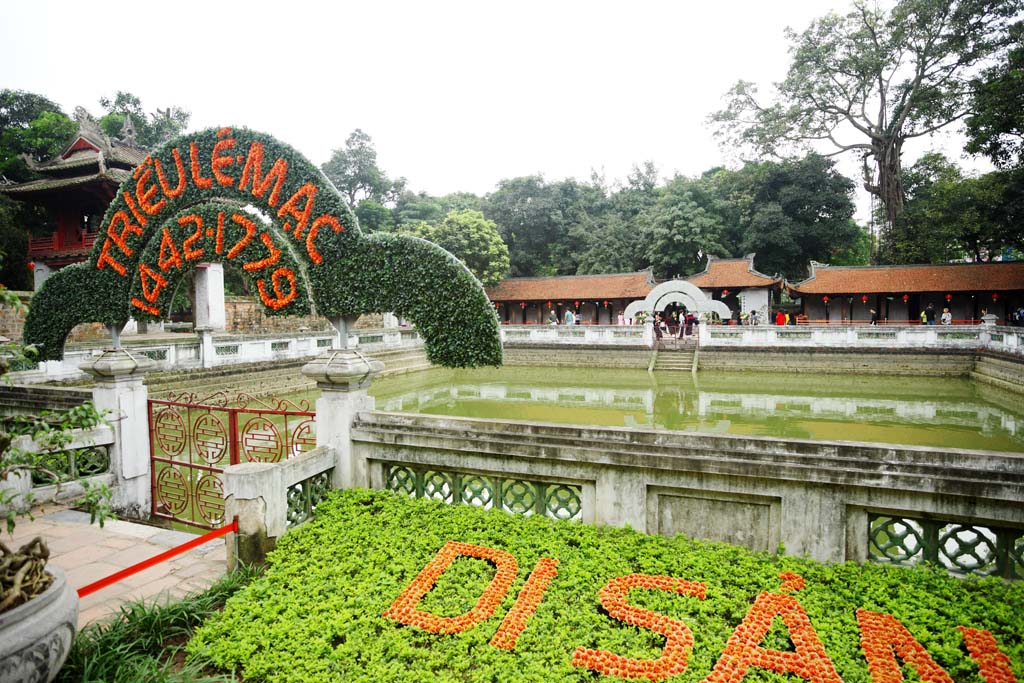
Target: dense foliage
[(472, 239), (318, 613), (184, 206), (996, 125), (950, 216)]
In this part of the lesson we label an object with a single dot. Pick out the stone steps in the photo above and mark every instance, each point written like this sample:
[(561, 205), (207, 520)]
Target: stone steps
[(1005, 373), (682, 362)]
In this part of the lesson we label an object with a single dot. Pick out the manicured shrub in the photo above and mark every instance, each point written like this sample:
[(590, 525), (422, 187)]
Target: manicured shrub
[(234, 195), (318, 614)]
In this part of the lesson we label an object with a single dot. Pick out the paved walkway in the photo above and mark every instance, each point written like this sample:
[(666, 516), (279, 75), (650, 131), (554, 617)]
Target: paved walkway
[(88, 553)]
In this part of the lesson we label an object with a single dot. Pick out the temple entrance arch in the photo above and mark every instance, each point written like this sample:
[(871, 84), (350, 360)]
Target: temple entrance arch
[(679, 292), (299, 243)]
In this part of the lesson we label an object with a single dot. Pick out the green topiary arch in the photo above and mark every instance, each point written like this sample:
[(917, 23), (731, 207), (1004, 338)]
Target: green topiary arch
[(241, 197)]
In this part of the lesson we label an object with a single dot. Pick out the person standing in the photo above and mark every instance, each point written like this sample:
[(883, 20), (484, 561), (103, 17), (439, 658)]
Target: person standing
[(929, 314), (874, 317), (569, 318), (780, 318), (947, 317), (552, 317)]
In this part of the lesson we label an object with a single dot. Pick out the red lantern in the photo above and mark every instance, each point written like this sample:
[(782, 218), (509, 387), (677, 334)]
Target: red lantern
[(725, 292), (606, 304), (995, 296), (522, 304), (864, 299), (31, 265), (906, 298), (497, 305), (949, 297), (825, 298), (576, 304), (549, 304)]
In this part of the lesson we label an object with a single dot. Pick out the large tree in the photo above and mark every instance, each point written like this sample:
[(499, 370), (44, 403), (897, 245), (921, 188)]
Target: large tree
[(789, 213), (682, 228), (32, 125), (472, 239), (869, 81), (353, 170)]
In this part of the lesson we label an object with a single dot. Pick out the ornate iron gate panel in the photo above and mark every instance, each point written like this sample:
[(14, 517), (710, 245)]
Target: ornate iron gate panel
[(191, 440)]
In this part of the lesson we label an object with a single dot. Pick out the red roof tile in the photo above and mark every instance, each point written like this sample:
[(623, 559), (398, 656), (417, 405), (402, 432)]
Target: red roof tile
[(734, 272), (952, 277), (596, 287)]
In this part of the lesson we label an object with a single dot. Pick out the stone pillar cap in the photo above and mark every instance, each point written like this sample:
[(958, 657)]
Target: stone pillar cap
[(113, 363), (342, 368)]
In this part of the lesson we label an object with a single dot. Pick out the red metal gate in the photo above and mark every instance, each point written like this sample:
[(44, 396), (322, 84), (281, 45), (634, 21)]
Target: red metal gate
[(191, 441)]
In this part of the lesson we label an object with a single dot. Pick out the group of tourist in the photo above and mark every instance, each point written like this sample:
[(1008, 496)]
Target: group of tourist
[(928, 315), (680, 325)]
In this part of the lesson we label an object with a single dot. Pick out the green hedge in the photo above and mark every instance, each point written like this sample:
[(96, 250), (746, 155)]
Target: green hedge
[(343, 272), (316, 616)]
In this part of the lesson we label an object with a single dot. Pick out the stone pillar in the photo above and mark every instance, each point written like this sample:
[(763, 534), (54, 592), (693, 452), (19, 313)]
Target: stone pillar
[(209, 283), (120, 392), (343, 377), (40, 274), (255, 493)]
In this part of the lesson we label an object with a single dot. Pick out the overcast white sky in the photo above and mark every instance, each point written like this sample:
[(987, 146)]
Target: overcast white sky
[(456, 95)]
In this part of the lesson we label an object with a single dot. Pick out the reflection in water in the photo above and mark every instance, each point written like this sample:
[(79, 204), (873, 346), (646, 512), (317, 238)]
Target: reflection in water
[(941, 412)]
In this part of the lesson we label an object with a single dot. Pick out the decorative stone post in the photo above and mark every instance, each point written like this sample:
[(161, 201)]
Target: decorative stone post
[(207, 352), (343, 377), (120, 392)]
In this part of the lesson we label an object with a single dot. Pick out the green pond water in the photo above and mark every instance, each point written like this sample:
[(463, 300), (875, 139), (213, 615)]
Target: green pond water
[(940, 412)]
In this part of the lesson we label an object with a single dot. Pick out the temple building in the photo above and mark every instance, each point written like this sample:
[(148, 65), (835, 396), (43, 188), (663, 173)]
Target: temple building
[(594, 299), (899, 293), (736, 283), (76, 188)]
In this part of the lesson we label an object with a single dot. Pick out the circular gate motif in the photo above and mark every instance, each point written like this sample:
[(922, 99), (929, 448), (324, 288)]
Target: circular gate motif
[(210, 499), (261, 441), (303, 438), (172, 491), (210, 438), (171, 434)]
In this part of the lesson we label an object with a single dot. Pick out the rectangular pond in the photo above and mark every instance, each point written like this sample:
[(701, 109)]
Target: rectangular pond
[(922, 411)]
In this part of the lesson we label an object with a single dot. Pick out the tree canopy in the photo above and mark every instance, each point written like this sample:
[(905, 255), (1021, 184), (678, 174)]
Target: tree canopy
[(950, 216), (472, 239), (996, 125), (353, 170), (150, 129), (869, 81)]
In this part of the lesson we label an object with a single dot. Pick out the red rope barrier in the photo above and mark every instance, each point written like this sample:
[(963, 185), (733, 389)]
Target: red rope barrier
[(157, 559)]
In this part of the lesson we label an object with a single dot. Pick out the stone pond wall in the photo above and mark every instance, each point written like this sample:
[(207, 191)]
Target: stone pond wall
[(816, 498)]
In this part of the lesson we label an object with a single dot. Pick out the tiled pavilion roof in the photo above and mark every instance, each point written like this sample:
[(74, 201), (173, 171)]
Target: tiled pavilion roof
[(596, 287), (951, 277), (733, 272)]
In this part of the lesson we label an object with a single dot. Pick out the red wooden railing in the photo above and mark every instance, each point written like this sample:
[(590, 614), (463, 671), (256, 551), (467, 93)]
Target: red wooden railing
[(51, 244)]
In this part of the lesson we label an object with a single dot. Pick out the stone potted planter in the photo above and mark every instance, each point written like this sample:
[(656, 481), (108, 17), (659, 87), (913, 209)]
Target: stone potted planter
[(36, 636)]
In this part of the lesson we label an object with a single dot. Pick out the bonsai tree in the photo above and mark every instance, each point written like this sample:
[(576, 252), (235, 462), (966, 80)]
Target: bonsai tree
[(22, 572)]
